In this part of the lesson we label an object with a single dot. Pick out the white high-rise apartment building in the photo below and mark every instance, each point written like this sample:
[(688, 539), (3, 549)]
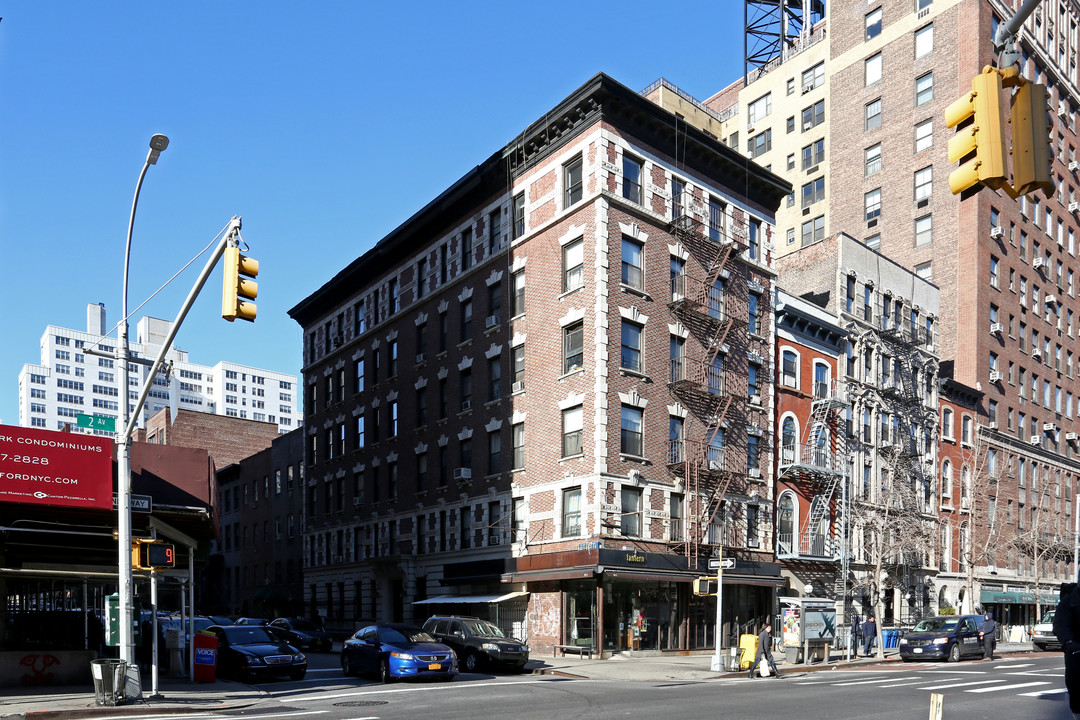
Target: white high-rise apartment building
[(70, 380)]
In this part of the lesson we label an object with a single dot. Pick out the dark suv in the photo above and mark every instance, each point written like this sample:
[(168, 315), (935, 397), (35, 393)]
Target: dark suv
[(477, 642)]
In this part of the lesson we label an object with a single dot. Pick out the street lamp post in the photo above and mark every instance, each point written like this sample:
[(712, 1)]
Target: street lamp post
[(123, 438)]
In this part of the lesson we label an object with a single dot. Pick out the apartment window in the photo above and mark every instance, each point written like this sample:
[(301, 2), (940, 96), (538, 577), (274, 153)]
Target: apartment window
[(572, 186), (519, 216), (813, 154), (573, 346), (632, 431), (873, 114), (494, 223), (924, 135), (813, 230), (631, 512), (813, 191), (924, 183), (633, 274), (872, 204), (758, 109), (759, 144), (572, 431), (494, 452), (421, 406), (924, 88), (716, 219), (924, 41), (517, 283), (573, 265), (993, 277), (789, 368), (872, 159), (631, 346), (753, 314), (813, 77), (813, 115), (517, 366), (873, 23), (571, 512), (872, 70), (466, 248), (465, 388), (790, 166), (495, 377), (517, 450), (631, 179), (466, 320), (678, 209)]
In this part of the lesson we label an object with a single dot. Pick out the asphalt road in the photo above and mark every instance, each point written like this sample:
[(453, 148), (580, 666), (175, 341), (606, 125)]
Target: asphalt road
[(1031, 688)]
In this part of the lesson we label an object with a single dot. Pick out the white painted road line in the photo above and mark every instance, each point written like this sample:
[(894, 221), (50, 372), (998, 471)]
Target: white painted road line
[(1039, 693), (914, 682), (1006, 687), (1012, 666), (862, 682), (965, 683)]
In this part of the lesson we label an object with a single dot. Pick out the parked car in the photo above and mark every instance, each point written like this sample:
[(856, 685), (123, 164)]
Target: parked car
[(1043, 637), (945, 637), (478, 643), (397, 651), (251, 652), (251, 621), (303, 634)]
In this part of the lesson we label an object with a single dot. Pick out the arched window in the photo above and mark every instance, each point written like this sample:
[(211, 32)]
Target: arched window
[(945, 559), (819, 442), (788, 433), (962, 549), (822, 377), (785, 528), (965, 486), (947, 424), (789, 368), (946, 478), (819, 523)]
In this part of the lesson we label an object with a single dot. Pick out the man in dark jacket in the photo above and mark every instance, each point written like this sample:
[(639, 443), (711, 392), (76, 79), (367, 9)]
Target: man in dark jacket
[(988, 633), (869, 634), (1067, 630), (764, 650)]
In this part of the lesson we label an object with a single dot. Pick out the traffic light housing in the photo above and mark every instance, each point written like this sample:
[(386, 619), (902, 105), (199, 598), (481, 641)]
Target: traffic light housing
[(238, 287), (706, 585), (1031, 126), (980, 143), (153, 555)]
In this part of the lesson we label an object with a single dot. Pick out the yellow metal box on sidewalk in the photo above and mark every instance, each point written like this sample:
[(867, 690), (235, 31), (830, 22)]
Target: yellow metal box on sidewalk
[(748, 645)]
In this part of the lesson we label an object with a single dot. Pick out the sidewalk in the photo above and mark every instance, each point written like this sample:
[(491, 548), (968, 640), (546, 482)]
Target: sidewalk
[(181, 696)]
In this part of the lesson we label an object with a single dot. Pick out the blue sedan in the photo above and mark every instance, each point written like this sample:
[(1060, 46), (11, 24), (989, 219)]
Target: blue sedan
[(397, 651)]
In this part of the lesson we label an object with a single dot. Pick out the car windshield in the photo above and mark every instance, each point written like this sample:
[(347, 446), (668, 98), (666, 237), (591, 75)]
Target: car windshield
[(305, 625), (484, 629), (403, 634), (248, 635), (1048, 618), (946, 624)]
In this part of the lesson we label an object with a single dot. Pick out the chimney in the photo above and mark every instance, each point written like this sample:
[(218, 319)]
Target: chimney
[(95, 319)]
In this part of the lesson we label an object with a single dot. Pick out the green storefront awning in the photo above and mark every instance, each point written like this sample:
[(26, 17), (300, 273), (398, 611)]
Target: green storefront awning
[(1001, 597)]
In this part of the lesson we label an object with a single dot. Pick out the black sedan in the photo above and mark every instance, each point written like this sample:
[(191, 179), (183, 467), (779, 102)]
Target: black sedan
[(945, 637), (251, 652), (397, 651), (303, 634)]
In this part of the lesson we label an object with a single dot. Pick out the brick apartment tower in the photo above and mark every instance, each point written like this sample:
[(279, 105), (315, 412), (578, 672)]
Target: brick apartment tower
[(477, 442)]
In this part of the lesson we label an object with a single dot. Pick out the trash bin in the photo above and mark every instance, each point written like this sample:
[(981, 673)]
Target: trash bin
[(205, 649), (748, 646), (110, 677), (731, 659), (792, 654)]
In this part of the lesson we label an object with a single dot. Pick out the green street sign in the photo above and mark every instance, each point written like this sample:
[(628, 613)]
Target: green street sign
[(96, 422)]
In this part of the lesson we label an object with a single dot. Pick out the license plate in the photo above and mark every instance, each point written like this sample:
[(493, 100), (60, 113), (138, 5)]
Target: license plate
[(434, 666), (916, 650)]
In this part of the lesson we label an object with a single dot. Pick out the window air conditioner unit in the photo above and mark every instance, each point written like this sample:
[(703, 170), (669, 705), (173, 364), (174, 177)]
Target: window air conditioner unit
[(749, 127), (716, 465), (519, 386), (357, 502), (466, 405), (996, 328), (1072, 437), (1036, 355), (491, 321), (807, 125), (995, 376), (1049, 427), (1074, 206), (339, 559), (1039, 262), (1051, 299), (463, 474), (1062, 111), (965, 503), (1036, 439), (420, 357), (1073, 165), (997, 231), (808, 87), (755, 399), (494, 540), (754, 472), (991, 426)]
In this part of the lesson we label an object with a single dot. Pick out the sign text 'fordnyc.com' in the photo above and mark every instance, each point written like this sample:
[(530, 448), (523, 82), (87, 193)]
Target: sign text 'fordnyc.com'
[(54, 468)]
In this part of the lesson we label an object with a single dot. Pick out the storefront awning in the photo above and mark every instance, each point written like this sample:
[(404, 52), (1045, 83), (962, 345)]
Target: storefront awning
[(1001, 597), (553, 574), (465, 599)]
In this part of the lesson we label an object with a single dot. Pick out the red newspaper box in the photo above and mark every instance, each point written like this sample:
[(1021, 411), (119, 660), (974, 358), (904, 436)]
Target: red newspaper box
[(205, 649)]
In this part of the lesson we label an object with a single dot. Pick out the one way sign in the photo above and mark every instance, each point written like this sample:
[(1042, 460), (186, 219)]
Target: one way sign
[(721, 563)]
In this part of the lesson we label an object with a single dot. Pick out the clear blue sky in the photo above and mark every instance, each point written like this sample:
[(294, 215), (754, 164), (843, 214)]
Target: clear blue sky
[(323, 124)]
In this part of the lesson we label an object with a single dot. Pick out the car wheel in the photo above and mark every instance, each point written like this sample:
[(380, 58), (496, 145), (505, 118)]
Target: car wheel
[(347, 666), (954, 653), (472, 662), (384, 671), (1039, 647), (906, 659), (298, 674)]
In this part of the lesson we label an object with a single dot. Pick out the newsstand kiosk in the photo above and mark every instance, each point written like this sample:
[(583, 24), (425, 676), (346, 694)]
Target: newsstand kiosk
[(808, 628)]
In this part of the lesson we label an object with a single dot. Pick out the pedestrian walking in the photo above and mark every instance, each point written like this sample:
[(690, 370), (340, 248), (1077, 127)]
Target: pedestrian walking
[(856, 634), (764, 650), (1067, 630), (869, 633), (988, 633)]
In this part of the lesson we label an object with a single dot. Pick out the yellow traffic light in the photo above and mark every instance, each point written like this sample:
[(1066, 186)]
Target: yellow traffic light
[(237, 285), (984, 136), (152, 555), (1031, 126), (706, 585)]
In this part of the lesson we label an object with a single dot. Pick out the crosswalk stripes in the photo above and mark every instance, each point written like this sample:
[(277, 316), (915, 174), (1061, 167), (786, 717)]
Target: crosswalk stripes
[(965, 683), (1040, 693), (1006, 687)]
